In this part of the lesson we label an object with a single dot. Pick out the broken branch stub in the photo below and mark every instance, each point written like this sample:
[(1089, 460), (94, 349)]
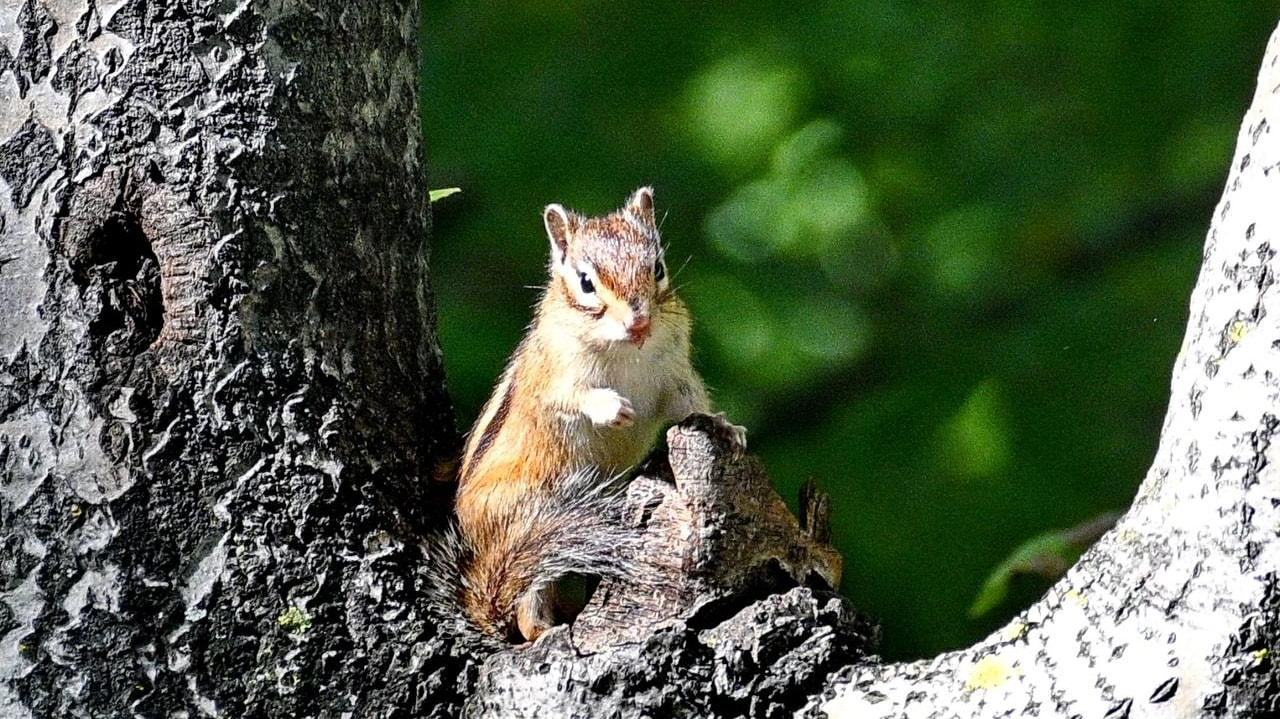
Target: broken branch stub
[(716, 536), (726, 608)]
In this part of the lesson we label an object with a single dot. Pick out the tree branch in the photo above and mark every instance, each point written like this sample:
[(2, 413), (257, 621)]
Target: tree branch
[(1175, 612)]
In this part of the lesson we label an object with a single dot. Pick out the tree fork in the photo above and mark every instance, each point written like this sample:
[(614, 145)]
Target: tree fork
[(222, 416)]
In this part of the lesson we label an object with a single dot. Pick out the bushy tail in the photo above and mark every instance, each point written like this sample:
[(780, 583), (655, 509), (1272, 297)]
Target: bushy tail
[(575, 526)]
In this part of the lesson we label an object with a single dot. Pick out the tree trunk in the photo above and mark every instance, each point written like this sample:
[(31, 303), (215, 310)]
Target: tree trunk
[(219, 378), (222, 419)]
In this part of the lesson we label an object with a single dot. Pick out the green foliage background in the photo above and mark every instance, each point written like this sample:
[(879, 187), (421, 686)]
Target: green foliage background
[(939, 253)]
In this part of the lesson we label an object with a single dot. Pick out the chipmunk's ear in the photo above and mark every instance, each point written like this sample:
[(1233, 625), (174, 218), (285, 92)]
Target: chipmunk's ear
[(558, 222), (640, 205)]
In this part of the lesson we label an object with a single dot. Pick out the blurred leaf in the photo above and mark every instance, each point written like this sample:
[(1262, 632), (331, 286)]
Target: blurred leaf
[(752, 223), (810, 202), (974, 442), (1047, 556), (736, 109), (440, 194), (809, 146), (965, 250), (827, 330), (744, 336)]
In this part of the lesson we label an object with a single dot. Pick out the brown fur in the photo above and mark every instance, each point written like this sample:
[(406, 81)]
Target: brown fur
[(551, 413)]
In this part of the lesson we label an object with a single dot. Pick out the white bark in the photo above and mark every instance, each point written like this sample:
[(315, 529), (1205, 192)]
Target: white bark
[(1174, 613)]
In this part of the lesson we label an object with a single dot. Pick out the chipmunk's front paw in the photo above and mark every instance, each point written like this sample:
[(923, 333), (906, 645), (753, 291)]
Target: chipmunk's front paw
[(736, 433), (607, 408)]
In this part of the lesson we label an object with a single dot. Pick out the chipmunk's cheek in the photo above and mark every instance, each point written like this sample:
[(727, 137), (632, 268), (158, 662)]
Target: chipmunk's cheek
[(617, 331), (605, 331)]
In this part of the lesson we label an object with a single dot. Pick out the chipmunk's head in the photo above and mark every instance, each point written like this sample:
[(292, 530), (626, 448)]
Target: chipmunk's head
[(610, 269)]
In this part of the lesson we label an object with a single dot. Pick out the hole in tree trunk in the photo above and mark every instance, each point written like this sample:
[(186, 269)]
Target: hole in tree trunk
[(118, 271)]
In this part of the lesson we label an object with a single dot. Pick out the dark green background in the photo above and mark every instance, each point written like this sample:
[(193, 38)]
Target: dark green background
[(939, 253)]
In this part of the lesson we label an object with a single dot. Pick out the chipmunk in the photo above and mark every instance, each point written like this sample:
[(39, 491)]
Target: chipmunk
[(604, 365)]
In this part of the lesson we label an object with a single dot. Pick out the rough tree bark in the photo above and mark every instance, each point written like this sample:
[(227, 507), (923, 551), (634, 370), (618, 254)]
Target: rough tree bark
[(219, 381), (221, 417)]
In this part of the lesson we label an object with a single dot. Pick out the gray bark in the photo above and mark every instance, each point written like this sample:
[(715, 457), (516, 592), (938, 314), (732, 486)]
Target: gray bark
[(220, 389)]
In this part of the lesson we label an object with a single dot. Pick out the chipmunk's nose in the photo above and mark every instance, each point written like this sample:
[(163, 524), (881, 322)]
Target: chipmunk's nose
[(638, 329)]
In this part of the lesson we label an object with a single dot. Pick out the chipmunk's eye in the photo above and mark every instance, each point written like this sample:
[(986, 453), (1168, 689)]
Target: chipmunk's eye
[(659, 270), (588, 286)]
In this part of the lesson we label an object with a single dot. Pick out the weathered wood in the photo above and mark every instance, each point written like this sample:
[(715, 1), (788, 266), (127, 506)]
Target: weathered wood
[(712, 621), (714, 535)]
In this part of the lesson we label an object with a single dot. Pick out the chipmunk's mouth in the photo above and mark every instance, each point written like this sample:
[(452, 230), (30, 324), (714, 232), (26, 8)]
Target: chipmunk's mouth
[(638, 330)]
